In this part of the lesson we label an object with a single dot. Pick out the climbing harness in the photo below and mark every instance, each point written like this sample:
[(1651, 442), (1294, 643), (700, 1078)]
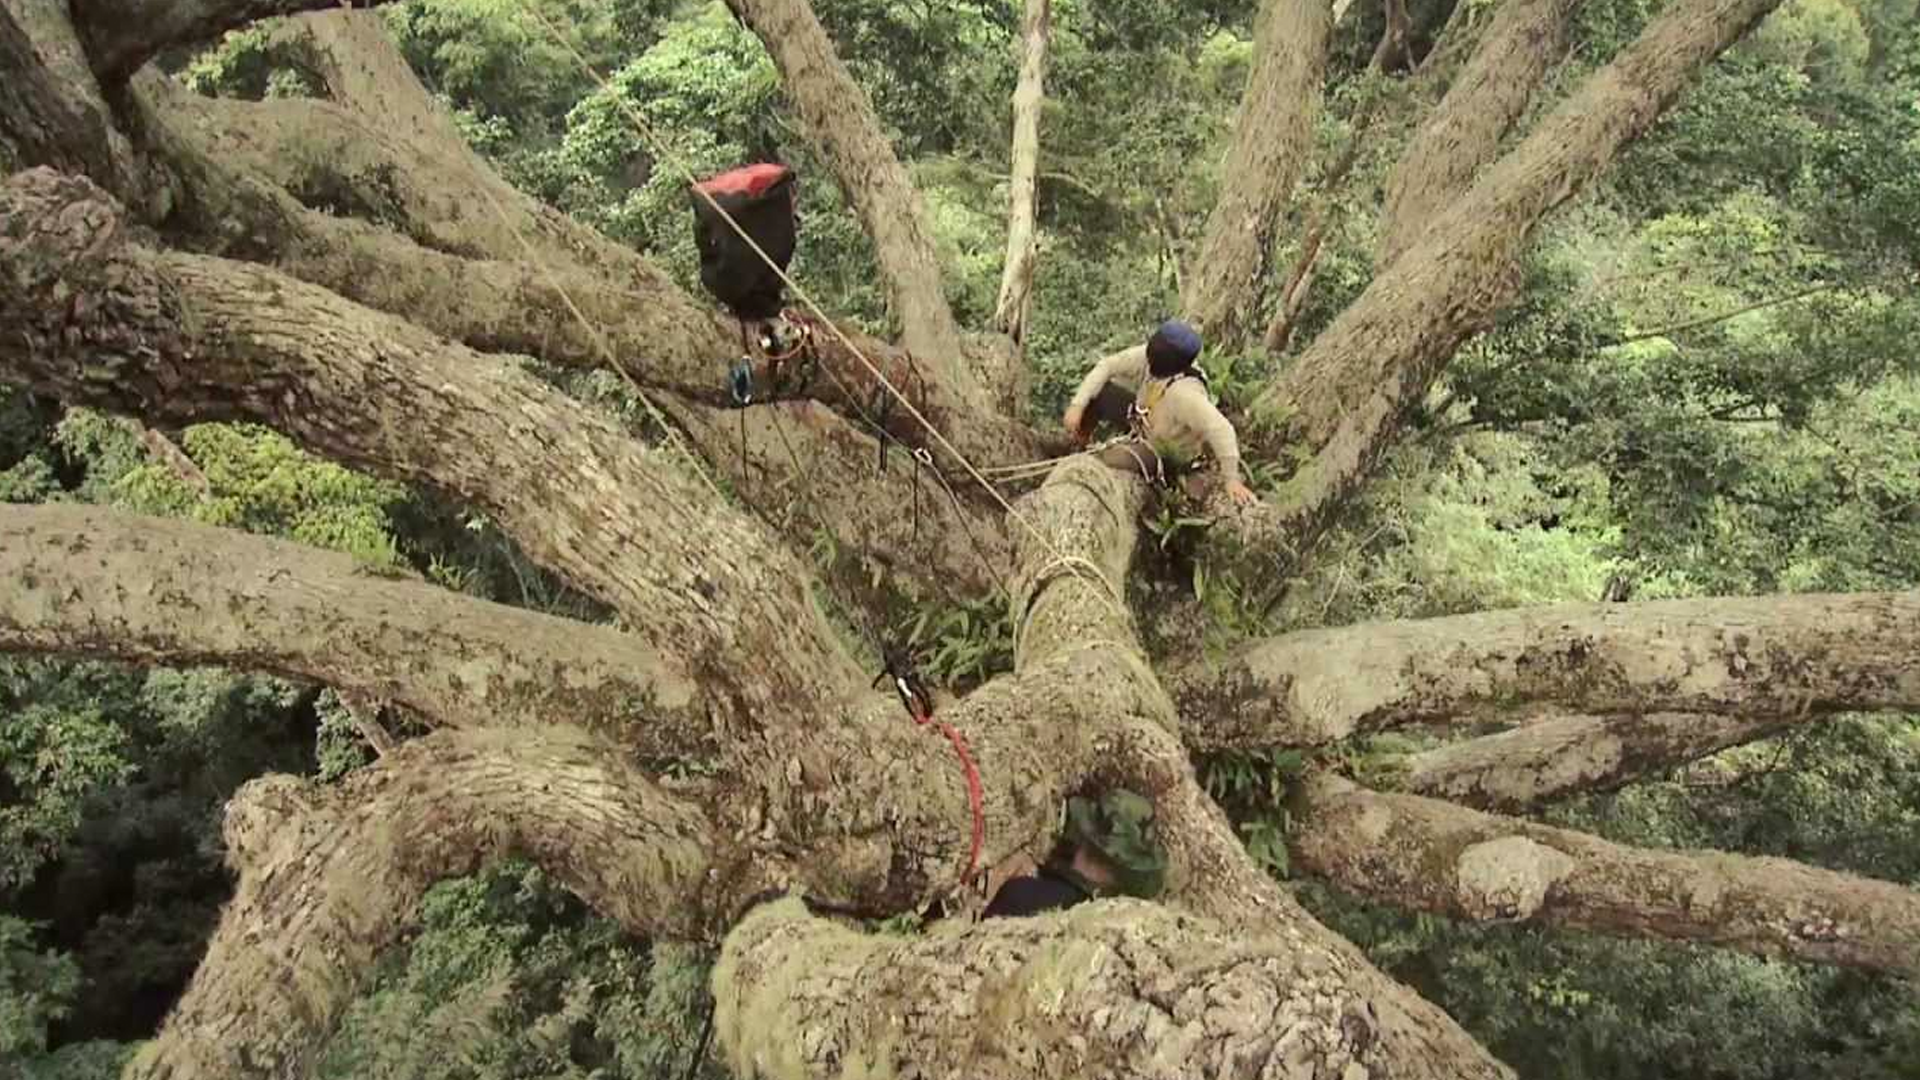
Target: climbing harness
[(911, 689)]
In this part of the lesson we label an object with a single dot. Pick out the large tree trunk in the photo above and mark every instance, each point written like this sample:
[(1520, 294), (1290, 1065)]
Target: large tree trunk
[(1271, 136), (1434, 856), (811, 782)]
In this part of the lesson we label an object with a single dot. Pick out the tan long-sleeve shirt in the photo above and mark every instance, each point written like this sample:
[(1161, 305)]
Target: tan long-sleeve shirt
[(1184, 417)]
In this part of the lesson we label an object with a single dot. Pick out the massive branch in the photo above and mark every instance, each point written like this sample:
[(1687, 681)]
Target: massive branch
[(122, 35), (1772, 656), (1463, 133), (1143, 991), (52, 112), (329, 876), (100, 320), (94, 582), (1419, 853), (1272, 134), (1344, 398)]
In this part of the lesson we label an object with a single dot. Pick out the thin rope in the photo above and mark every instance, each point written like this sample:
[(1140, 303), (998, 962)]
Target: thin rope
[(666, 153)]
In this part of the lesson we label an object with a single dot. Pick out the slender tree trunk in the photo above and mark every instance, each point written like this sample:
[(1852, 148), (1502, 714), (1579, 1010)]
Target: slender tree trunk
[(1344, 399), (1016, 278), (1554, 757)]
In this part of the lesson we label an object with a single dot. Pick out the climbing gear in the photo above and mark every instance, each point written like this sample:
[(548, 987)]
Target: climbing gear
[(740, 382), (1139, 416), (911, 689), (760, 198)]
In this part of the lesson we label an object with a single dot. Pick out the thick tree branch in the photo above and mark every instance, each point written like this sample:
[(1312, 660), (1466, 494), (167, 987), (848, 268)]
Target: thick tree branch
[(103, 583), (1144, 992), (1271, 137), (329, 876), (1764, 656), (1550, 758), (1344, 398), (839, 121), (1463, 133), (51, 110), (441, 246), (1434, 856), (1072, 548), (102, 321), (1016, 276)]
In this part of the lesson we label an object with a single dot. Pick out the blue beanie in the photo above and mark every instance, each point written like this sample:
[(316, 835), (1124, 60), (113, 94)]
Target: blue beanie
[(1172, 348)]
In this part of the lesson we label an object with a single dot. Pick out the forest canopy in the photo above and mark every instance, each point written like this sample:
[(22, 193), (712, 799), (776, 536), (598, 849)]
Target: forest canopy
[(413, 663)]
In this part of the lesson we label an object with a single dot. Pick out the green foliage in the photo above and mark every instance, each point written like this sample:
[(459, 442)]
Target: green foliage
[(508, 976), (963, 644), (35, 988), (252, 64)]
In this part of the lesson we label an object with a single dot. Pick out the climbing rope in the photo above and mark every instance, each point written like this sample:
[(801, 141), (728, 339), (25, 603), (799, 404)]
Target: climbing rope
[(913, 695)]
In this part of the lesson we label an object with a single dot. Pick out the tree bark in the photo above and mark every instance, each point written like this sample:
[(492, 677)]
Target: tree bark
[(102, 583), (1117, 988), (331, 875), (1344, 398), (1463, 133), (1072, 551), (1433, 856), (838, 120), (1542, 760), (1271, 137), (179, 337), (1016, 276), (1763, 656), (51, 111)]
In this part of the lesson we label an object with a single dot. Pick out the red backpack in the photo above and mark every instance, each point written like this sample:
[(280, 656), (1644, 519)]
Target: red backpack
[(761, 199)]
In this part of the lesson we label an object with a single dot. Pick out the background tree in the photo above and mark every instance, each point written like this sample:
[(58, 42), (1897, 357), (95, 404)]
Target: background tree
[(594, 651)]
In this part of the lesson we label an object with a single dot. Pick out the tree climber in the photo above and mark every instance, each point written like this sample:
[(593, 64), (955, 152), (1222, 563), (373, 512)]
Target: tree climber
[(1171, 418), (1107, 850)]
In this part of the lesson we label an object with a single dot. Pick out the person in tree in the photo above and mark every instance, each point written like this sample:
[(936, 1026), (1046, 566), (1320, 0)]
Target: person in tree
[(1107, 850), (1171, 418)]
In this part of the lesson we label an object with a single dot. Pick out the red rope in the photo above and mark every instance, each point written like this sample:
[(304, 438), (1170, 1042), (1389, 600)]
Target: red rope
[(974, 795)]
